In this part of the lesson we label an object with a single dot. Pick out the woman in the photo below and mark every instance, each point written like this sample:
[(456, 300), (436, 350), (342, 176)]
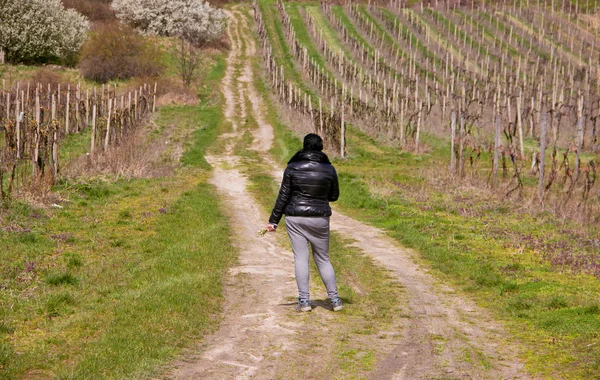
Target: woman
[(309, 183)]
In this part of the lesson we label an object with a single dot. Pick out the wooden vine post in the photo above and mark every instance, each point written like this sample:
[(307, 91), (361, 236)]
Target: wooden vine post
[(452, 138), (34, 120), (93, 143), (107, 139), (321, 118), (18, 127), (67, 110), (87, 107), (496, 135), (342, 134), (520, 124), (54, 127), (77, 100), (542, 162), (579, 136), (496, 149), (37, 133), (154, 99)]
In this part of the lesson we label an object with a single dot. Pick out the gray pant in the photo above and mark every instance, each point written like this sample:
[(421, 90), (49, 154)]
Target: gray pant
[(313, 230)]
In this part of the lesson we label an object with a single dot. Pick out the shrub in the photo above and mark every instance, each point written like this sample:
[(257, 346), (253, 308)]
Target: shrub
[(195, 20), (40, 31), (169, 91), (47, 77), (94, 10), (73, 260), (58, 304), (115, 51)]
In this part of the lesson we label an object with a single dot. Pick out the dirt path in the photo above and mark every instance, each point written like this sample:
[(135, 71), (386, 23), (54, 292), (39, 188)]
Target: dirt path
[(445, 336), (254, 331), (442, 327)]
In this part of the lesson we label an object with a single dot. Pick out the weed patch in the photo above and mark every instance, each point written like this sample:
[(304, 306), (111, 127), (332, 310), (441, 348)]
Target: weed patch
[(73, 260), (56, 279), (59, 304)]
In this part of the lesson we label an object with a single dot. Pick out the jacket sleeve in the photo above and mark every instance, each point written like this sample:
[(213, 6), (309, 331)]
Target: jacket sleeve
[(334, 190), (285, 191)]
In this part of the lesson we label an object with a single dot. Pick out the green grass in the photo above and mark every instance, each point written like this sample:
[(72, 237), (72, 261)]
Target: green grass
[(462, 35), (74, 145), (355, 33), (281, 51), (60, 279), (176, 294), (329, 34), (501, 27), (127, 274), (488, 33), (303, 35), (338, 11), (414, 40), (305, 39), (379, 29)]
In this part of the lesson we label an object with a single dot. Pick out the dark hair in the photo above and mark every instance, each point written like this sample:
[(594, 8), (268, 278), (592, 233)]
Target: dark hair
[(313, 142)]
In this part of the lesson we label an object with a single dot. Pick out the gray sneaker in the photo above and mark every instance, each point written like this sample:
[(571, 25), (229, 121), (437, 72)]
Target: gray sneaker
[(303, 306), (336, 304)]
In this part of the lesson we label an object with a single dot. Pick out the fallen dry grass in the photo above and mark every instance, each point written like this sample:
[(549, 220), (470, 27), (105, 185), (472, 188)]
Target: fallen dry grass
[(592, 20), (139, 156)]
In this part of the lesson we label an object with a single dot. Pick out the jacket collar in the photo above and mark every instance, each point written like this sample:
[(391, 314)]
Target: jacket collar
[(309, 155)]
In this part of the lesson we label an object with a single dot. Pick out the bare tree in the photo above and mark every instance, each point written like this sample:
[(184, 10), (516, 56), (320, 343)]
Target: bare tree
[(189, 59)]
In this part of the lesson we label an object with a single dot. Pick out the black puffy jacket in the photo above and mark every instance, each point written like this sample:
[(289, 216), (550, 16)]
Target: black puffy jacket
[(309, 183)]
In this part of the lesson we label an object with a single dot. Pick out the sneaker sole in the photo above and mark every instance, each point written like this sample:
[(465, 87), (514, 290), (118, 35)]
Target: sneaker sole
[(304, 309), (338, 308)]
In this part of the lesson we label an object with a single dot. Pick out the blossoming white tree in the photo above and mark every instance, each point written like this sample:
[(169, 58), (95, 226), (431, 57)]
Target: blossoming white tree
[(194, 20), (40, 30)]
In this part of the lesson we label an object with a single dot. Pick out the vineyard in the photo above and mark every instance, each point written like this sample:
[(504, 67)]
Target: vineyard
[(466, 239), (512, 89), (36, 118)]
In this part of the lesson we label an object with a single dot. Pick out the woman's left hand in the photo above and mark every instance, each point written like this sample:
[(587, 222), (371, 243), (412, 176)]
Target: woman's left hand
[(271, 227)]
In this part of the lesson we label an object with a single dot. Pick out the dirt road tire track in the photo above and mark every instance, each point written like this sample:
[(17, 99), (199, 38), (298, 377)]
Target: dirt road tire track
[(441, 327)]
